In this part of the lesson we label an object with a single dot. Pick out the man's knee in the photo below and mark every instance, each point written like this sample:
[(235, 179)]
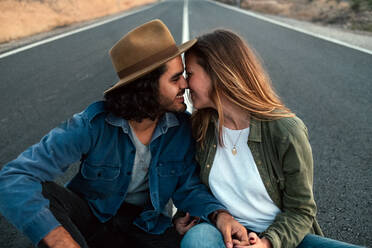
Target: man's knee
[(49, 189), (203, 235), (62, 200)]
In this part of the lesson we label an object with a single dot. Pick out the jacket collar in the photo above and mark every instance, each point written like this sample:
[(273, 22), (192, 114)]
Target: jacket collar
[(255, 130), (167, 121)]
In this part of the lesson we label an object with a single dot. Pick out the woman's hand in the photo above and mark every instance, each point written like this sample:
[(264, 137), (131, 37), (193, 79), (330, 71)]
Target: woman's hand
[(252, 239), (183, 224), (254, 242)]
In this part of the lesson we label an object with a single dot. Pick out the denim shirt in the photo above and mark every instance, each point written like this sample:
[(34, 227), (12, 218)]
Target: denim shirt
[(102, 142)]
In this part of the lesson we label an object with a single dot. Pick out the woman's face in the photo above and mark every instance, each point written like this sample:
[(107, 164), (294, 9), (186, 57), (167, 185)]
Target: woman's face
[(199, 82)]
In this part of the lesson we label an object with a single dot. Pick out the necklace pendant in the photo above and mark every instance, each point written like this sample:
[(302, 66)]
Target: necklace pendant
[(234, 151)]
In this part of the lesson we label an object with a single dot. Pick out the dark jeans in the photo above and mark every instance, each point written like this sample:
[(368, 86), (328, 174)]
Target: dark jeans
[(76, 217)]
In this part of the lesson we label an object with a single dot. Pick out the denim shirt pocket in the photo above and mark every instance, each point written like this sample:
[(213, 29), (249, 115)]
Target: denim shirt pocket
[(99, 172), (97, 180), (171, 168)]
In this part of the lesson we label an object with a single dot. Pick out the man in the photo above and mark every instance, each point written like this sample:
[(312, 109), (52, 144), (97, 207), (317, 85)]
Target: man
[(136, 153)]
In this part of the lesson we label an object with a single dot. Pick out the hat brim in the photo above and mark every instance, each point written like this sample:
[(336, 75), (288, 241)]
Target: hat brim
[(181, 49)]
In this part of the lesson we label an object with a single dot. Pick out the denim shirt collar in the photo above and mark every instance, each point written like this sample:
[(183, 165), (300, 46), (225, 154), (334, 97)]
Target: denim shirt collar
[(165, 122)]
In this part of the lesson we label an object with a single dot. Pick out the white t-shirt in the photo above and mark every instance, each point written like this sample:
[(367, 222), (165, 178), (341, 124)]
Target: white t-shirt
[(237, 184)]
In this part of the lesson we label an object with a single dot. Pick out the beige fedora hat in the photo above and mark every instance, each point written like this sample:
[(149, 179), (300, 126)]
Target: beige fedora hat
[(144, 49)]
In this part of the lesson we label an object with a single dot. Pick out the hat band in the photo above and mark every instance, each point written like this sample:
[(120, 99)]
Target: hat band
[(166, 53)]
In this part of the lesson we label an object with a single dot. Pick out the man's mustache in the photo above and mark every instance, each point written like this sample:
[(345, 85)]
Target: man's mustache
[(181, 93)]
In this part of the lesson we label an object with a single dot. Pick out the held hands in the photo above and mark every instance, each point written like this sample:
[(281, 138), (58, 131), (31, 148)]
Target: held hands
[(229, 228), (183, 224), (60, 238)]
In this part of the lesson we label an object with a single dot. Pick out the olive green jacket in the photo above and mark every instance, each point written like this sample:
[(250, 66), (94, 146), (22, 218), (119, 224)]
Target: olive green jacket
[(284, 142)]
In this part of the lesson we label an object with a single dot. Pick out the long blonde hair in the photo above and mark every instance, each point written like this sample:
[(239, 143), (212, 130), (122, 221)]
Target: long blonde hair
[(237, 75)]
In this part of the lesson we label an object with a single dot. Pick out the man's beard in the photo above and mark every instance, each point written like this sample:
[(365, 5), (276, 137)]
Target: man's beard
[(169, 105)]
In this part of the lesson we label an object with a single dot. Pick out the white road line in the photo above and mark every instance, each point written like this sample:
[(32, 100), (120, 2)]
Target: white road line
[(292, 27), (21, 49), (185, 38), (185, 30)]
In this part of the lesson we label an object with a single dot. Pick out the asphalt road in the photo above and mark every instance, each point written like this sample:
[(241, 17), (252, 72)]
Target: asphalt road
[(329, 86)]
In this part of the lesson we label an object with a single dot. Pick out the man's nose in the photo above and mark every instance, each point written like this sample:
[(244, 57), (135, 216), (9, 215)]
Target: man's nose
[(183, 83)]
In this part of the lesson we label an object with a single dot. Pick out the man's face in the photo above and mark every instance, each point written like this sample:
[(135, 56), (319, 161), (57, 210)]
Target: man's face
[(172, 86)]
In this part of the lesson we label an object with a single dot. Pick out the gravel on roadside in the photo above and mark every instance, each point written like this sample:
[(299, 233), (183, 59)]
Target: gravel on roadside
[(356, 38)]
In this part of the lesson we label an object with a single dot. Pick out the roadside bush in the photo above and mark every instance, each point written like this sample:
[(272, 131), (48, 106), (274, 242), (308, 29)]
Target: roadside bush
[(357, 5)]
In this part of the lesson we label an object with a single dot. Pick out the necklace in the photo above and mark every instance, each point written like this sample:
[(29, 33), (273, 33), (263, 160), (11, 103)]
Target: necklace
[(234, 151)]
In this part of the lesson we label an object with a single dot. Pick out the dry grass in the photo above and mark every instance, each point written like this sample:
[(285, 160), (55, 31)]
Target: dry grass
[(26, 17)]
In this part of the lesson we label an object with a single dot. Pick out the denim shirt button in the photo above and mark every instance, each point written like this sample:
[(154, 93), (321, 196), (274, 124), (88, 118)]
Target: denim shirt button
[(99, 174), (129, 173), (173, 171)]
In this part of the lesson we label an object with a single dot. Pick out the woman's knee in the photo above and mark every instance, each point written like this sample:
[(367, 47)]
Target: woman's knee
[(315, 241), (203, 235)]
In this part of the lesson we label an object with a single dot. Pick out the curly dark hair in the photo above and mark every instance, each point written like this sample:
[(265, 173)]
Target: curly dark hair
[(138, 99)]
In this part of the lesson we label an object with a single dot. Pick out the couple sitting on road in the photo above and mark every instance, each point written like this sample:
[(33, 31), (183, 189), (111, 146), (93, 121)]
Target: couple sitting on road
[(239, 169)]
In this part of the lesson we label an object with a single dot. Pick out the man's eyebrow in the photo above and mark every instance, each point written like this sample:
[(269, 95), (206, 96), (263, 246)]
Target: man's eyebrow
[(175, 76)]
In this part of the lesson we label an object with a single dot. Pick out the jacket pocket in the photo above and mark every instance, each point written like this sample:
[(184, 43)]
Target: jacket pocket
[(171, 168), (104, 172)]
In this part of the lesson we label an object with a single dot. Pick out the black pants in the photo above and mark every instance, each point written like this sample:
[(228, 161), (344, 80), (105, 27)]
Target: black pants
[(76, 217)]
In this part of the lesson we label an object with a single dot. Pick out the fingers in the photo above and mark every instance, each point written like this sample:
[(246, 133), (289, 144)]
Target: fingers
[(186, 218), (240, 232), (235, 242), (241, 243), (183, 220), (182, 224), (227, 236), (253, 238), (191, 224)]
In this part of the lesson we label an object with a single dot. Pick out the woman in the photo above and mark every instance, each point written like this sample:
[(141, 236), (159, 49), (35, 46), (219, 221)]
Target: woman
[(253, 151)]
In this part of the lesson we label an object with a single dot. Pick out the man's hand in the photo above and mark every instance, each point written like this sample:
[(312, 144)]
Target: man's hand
[(183, 224), (229, 227), (254, 242), (60, 238)]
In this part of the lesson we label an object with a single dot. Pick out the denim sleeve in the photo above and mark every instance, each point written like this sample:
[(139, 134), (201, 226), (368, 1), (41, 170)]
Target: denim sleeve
[(191, 195), (21, 200)]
